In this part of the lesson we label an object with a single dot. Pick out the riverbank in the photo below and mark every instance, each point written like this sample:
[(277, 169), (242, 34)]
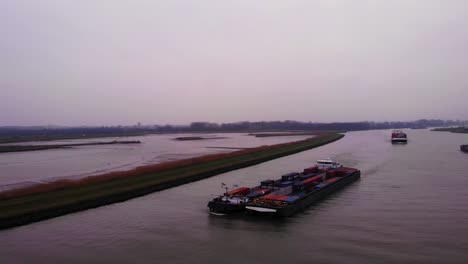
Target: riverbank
[(43, 201), (17, 148), (452, 129)]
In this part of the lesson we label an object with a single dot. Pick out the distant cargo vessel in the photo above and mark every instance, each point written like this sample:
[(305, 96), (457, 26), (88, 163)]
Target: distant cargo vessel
[(399, 137), (288, 195), (464, 148)]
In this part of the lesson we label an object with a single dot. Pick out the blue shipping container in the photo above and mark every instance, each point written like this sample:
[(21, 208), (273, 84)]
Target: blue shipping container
[(266, 182), (320, 185), (289, 176), (292, 199), (286, 184), (254, 195)]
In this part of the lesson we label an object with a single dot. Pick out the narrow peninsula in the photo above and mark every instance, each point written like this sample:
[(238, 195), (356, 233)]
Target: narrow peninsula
[(452, 129)]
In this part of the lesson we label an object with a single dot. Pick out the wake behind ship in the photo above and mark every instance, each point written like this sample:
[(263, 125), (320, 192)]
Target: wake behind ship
[(292, 193)]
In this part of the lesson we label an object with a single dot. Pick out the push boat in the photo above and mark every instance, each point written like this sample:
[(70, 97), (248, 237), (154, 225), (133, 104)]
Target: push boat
[(234, 201), (399, 136), (292, 193), (464, 148)]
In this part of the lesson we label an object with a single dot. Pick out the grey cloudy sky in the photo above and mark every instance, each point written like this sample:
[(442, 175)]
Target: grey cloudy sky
[(93, 62)]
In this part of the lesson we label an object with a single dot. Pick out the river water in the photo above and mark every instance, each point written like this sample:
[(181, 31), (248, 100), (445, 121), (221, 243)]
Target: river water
[(410, 206)]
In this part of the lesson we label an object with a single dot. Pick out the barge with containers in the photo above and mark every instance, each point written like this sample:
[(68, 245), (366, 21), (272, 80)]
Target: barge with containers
[(292, 193), (399, 136)]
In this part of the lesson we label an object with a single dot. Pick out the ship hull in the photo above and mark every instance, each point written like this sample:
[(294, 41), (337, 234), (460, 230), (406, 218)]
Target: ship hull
[(399, 140), (219, 207)]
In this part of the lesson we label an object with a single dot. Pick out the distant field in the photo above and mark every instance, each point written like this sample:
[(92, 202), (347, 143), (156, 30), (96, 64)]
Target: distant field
[(42, 201)]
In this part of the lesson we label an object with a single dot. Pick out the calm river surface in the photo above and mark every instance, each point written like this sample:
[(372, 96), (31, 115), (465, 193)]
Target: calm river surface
[(410, 206)]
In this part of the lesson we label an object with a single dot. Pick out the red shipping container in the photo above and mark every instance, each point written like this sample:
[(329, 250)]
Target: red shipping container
[(239, 191), (340, 172), (343, 171), (275, 197), (313, 179), (313, 169)]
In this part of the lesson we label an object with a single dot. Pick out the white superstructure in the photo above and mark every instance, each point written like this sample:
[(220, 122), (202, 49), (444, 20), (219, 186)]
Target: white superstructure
[(325, 164)]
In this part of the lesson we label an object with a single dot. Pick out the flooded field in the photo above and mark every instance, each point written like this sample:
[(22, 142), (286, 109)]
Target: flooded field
[(24, 168)]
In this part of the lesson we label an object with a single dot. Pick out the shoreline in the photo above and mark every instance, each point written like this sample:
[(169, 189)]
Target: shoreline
[(32, 204), (458, 130)]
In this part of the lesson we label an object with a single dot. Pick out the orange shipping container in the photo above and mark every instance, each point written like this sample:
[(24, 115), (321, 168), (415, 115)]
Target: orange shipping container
[(331, 180)]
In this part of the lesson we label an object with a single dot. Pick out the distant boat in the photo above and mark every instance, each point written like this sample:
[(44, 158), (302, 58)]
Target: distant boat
[(399, 137), (464, 148)]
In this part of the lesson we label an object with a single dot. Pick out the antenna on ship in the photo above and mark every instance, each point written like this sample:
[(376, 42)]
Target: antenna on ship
[(224, 186)]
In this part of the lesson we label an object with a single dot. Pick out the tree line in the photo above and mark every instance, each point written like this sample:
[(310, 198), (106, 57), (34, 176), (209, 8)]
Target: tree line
[(287, 125)]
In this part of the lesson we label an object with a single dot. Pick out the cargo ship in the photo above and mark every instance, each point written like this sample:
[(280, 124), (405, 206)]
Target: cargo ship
[(292, 193), (399, 137), (464, 148)]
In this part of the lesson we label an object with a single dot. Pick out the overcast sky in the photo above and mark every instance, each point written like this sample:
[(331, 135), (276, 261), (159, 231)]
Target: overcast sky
[(96, 62)]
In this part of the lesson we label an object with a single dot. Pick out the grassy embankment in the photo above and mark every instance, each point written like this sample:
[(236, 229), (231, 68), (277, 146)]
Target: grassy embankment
[(17, 148), (452, 129), (43, 201)]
